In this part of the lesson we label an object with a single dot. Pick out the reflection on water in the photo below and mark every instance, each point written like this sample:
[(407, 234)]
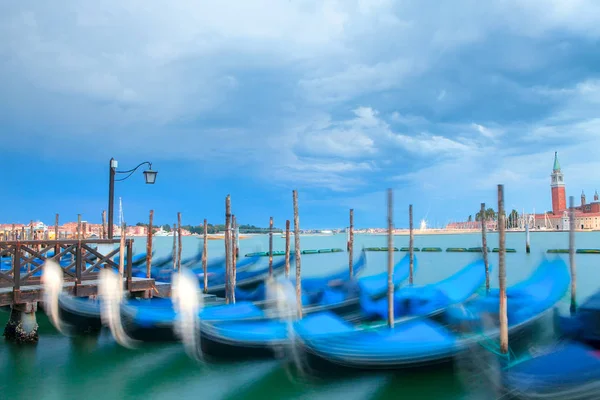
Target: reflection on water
[(92, 367)]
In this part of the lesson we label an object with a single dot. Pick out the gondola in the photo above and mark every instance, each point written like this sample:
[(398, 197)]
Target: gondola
[(569, 369), (259, 338), (330, 343), (148, 323), (246, 279), (83, 315), (161, 267), (214, 268)]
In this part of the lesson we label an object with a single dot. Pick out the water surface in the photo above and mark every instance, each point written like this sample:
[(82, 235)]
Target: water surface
[(60, 367)]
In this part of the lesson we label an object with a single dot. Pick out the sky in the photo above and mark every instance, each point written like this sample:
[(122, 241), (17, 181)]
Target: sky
[(340, 100)]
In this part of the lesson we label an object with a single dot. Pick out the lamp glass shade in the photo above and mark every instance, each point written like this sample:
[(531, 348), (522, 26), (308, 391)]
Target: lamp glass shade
[(150, 176)]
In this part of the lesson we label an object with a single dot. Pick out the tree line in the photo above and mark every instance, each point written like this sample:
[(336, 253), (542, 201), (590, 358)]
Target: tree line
[(199, 229), (491, 215)]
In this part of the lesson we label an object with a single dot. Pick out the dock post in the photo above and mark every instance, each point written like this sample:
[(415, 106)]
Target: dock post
[(79, 265), (78, 226), (22, 327), (351, 245), (233, 258), (149, 247), (237, 240), (297, 250), (270, 246), (572, 266), (103, 224), (502, 271), (484, 247), (227, 249), (179, 244), (411, 246), (122, 253), (174, 251), (205, 256), (57, 246), (287, 249), (128, 276), (527, 243), (390, 260)]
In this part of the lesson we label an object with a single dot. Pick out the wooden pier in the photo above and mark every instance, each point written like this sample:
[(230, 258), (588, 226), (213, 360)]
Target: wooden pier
[(19, 284)]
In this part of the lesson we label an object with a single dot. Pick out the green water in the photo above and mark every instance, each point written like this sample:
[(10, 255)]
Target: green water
[(60, 367)]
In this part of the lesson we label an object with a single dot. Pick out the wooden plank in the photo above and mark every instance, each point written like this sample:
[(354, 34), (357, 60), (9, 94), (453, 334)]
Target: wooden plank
[(35, 293)]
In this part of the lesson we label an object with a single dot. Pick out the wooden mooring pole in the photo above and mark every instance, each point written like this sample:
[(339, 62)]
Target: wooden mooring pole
[(174, 251), (122, 252), (351, 245), (527, 243), (57, 246), (411, 246), (287, 249), (179, 244), (390, 260), (573, 307), (233, 258), (271, 246), (205, 256), (297, 250), (149, 246), (237, 240), (227, 249), (103, 224), (502, 271), (484, 247), (78, 226)]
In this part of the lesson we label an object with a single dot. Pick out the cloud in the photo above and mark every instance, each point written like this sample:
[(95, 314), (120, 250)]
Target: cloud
[(346, 96), (486, 132)]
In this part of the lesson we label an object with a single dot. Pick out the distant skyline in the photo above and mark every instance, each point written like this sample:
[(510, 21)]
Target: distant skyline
[(337, 99)]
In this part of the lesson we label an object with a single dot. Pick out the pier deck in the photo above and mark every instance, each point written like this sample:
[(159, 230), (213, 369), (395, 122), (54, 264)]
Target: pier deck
[(35, 292), (20, 282)]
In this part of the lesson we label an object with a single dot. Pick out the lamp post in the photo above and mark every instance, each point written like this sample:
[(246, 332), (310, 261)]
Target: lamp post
[(149, 175)]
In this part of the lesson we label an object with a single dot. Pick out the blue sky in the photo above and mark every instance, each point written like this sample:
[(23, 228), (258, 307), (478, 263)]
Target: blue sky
[(338, 99)]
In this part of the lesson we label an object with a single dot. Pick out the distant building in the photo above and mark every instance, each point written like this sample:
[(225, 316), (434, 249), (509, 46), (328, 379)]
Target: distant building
[(472, 225), (587, 215)]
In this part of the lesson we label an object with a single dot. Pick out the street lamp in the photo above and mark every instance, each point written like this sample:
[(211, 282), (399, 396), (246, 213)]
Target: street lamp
[(149, 176)]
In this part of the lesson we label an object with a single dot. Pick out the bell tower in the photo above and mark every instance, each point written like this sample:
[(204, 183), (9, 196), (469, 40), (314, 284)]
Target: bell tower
[(557, 185)]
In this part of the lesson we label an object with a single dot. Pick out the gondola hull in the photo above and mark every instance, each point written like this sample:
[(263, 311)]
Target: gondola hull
[(422, 342), (80, 318)]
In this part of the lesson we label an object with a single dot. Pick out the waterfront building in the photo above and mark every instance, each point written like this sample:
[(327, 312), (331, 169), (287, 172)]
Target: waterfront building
[(587, 215)]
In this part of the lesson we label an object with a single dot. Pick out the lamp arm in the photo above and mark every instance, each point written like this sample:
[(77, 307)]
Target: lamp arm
[(134, 169), (131, 171)]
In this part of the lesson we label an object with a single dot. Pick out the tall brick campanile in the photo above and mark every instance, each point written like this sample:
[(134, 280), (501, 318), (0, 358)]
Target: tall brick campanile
[(557, 185)]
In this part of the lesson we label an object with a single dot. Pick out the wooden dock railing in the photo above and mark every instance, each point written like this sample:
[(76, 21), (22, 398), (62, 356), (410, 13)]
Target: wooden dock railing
[(23, 260)]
